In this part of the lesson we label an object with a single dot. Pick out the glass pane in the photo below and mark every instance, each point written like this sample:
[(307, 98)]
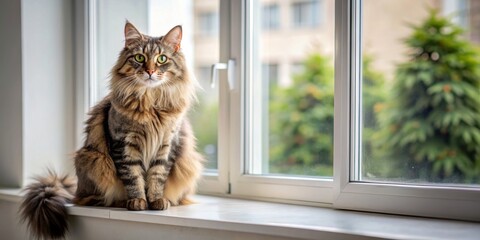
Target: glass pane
[(199, 19), (291, 103), (421, 91), (206, 43), (110, 19)]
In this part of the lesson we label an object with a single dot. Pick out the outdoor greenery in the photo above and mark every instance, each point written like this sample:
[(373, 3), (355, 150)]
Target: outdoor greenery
[(424, 125), (430, 125), (204, 120), (301, 122), (374, 94), (301, 118)]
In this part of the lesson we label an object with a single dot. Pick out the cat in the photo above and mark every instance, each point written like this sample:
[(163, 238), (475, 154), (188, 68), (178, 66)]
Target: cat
[(139, 152)]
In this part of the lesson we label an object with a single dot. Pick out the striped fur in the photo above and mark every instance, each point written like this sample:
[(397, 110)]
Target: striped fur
[(139, 150)]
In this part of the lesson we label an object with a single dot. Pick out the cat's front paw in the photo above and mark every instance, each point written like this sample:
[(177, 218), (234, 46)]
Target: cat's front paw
[(136, 204), (159, 204)]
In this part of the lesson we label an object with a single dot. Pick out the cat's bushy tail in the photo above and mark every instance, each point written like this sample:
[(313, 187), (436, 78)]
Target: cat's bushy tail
[(43, 207)]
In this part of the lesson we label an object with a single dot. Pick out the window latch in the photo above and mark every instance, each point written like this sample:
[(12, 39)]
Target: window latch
[(230, 67)]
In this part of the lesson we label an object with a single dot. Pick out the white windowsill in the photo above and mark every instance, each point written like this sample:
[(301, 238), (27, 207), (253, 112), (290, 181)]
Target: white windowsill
[(283, 220)]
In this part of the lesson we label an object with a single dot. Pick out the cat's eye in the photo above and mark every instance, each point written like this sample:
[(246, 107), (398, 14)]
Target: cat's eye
[(139, 58), (162, 59)]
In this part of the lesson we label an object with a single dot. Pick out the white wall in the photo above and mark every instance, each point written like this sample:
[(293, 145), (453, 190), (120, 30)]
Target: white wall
[(48, 92), (10, 226), (10, 94), (36, 88), (82, 228), (98, 228)]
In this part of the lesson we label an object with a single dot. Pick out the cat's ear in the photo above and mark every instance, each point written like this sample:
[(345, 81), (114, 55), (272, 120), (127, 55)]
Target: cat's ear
[(173, 38), (131, 34)]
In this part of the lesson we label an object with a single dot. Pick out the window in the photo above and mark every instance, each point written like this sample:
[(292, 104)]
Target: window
[(306, 13), (316, 117), (270, 74), (474, 21), (280, 155), (297, 68), (423, 134), (208, 23), (206, 127), (458, 11), (407, 154), (271, 17)]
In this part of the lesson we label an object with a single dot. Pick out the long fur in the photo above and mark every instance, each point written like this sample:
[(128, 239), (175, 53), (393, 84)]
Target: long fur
[(43, 207), (139, 152)]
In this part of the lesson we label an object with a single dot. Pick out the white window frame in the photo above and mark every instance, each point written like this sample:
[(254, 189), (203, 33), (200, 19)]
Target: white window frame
[(217, 181), (345, 191), (85, 66), (418, 200), (287, 189), (234, 133)]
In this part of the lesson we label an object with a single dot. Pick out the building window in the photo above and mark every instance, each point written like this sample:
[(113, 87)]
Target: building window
[(270, 73), (208, 23), (271, 17), (458, 10), (296, 68), (474, 11), (306, 13)]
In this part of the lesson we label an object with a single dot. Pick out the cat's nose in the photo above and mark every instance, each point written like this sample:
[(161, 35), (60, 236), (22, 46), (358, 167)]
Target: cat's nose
[(150, 71)]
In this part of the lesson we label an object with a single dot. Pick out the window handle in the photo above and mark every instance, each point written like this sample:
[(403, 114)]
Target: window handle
[(230, 67)]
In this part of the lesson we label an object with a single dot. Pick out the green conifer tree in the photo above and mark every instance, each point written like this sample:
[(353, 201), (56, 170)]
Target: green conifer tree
[(431, 124), (373, 101), (301, 121), (301, 118)]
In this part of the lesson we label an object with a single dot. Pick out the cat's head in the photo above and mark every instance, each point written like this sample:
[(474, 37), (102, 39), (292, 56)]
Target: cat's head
[(150, 62)]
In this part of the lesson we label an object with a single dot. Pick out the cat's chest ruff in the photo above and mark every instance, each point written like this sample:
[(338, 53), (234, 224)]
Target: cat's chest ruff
[(152, 143), (144, 131), (142, 143), (155, 134)]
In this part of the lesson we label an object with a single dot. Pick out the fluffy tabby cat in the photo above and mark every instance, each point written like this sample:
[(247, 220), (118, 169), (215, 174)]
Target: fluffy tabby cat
[(139, 150)]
